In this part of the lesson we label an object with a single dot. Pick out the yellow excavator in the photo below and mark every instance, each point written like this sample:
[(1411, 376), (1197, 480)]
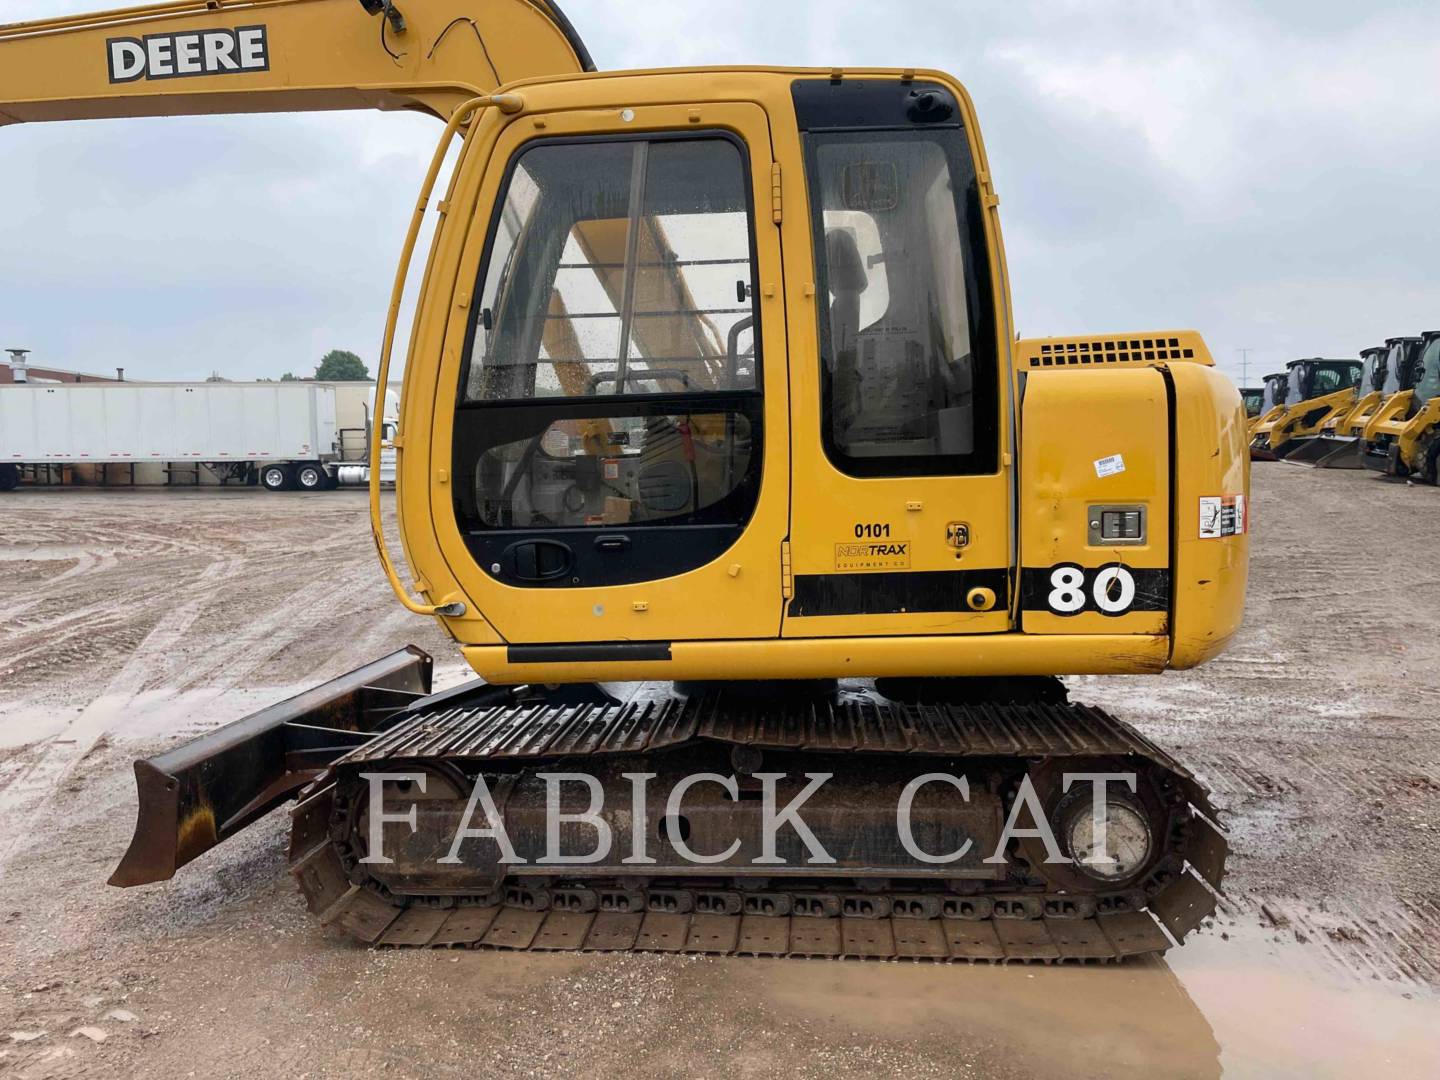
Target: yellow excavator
[(1403, 437), (722, 463), (1317, 390), (1334, 445)]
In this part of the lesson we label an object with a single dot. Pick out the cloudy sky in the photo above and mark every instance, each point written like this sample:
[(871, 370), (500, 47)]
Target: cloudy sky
[(1266, 172)]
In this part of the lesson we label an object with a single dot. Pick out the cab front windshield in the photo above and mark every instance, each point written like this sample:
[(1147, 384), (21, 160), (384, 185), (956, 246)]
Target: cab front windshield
[(1313, 380), (614, 370), (1368, 372), (1394, 369), (1429, 385), (1274, 393), (1297, 384)]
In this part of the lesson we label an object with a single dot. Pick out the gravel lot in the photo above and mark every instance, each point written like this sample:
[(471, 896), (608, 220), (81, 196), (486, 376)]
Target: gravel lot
[(130, 620)]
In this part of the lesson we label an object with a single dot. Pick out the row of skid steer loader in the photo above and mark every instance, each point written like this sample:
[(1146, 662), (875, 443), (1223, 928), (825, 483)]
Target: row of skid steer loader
[(1316, 390), (1381, 412), (1403, 437)]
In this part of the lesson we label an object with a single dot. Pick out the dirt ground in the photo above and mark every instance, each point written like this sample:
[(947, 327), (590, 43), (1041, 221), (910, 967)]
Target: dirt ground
[(130, 620)]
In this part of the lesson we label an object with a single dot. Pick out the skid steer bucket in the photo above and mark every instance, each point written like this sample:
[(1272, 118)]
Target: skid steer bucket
[(205, 791), (1327, 452)]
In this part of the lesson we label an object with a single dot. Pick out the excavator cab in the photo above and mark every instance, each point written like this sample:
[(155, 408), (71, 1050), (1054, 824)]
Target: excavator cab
[(1403, 437), (740, 346), (1253, 398), (635, 423)]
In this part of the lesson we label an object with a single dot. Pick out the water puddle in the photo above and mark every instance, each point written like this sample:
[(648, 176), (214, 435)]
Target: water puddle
[(1246, 1006)]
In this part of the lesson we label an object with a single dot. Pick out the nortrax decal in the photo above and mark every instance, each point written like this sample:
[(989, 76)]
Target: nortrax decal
[(188, 54)]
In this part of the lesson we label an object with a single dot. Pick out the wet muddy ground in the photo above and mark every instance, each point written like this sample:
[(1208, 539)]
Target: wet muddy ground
[(129, 620)]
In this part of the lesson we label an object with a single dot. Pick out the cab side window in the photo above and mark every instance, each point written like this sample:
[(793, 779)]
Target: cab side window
[(904, 391)]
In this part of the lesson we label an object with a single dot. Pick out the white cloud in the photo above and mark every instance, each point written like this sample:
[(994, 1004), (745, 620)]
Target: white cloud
[(1215, 89), (1262, 171)]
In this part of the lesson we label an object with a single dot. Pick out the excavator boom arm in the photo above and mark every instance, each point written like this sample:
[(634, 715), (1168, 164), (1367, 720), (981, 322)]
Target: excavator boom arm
[(191, 57)]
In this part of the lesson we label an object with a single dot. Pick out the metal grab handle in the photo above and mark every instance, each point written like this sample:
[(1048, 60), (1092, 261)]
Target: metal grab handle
[(635, 376), (508, 103)]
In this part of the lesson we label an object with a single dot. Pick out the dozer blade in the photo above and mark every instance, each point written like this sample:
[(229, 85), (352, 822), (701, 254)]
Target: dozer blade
[(198, 794), (1327, 452)]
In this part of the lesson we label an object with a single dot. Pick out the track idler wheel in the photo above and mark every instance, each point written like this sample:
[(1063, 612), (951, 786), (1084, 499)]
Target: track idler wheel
[(1143, 827)]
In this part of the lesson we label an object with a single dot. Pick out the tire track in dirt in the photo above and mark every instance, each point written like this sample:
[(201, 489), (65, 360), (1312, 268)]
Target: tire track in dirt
[(26, 794), (179, 593)]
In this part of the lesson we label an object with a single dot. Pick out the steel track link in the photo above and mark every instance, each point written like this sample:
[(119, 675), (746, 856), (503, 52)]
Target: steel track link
[(1029, 930), (362, 914)]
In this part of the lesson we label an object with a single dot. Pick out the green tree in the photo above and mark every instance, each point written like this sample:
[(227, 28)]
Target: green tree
[(342, 366), (288, 377)]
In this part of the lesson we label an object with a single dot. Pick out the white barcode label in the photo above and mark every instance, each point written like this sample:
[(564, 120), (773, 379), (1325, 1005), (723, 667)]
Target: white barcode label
[(1109, 466)]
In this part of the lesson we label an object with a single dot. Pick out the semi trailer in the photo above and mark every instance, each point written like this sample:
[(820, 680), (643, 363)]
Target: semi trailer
[(279, 435)]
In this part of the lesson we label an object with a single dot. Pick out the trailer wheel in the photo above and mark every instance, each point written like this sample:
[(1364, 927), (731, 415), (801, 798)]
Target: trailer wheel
[(310, 477), (9, 477), (276, 477)]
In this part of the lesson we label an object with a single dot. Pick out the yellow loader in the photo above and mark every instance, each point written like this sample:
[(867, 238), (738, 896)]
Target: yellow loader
[(1253, 399), (1335, 445), (1316, 391), (1403, 438), (1275, 388)]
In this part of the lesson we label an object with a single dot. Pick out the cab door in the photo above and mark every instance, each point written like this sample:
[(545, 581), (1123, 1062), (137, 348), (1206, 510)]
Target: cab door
[(901, 520), (615, 434)]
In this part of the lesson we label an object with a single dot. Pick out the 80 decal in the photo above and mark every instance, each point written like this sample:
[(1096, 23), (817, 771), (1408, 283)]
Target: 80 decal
[(1109, 590)]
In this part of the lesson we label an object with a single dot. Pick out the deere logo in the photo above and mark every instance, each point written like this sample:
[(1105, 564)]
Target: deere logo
[(184, 55)]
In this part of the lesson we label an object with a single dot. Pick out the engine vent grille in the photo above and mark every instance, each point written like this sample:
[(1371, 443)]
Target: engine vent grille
[(1149, 350)]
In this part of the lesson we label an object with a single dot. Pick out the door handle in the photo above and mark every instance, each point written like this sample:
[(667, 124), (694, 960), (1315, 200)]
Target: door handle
[(538, 560)]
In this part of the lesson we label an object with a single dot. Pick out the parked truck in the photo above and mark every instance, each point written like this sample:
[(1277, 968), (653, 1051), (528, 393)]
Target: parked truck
[(280, 435)]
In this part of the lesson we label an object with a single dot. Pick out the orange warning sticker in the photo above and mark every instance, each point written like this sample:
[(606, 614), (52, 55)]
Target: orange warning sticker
[(1223, 515)]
